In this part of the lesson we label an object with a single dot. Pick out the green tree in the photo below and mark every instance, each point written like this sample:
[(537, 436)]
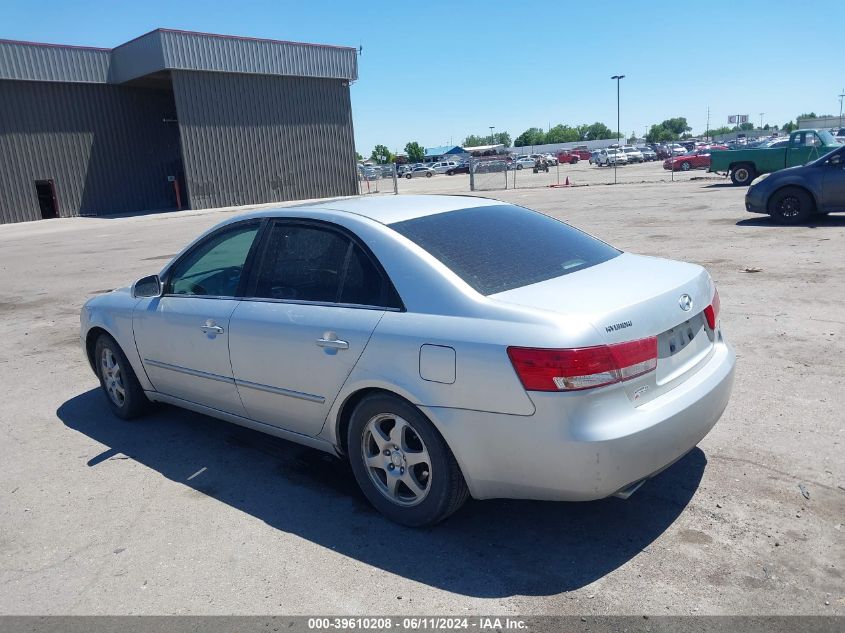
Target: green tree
[(720, 130), (595, 132), (766, 127), (746, 126), (358, 157), (531, 136), (562, 134), (789, 126), (499, 138), (660, 134), (808, 115), (414, 151), (382, 155), (502, 138)]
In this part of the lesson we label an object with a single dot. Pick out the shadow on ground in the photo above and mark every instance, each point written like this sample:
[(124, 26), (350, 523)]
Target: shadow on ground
[(488, 549), (815, 222)]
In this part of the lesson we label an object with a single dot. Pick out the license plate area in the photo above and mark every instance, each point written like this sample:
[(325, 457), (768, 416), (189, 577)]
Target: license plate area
[(681, 348)]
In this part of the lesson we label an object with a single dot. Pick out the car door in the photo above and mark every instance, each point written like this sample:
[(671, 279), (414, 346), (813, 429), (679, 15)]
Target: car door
[(316, 297), (833, 183), (183, 335), (803, 148)]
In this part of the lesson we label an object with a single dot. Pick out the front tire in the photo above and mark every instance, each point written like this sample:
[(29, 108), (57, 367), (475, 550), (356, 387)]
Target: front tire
[(402, 464), (408, 176), (790, 205), (685, 166), (120, 385), (428, 174), (743, 174)]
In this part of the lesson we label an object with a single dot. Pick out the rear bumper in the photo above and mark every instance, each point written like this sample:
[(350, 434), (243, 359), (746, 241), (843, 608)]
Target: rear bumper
[(578, 448)]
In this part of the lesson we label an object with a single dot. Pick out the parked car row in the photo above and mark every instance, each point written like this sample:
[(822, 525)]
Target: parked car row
[(696, 159)]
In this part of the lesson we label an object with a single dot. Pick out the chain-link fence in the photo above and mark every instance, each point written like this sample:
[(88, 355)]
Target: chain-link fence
[(377, 179), (525, 172), (488, 173)]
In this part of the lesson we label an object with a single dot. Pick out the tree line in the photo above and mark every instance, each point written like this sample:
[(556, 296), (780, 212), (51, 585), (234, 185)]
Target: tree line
[(673, 129)]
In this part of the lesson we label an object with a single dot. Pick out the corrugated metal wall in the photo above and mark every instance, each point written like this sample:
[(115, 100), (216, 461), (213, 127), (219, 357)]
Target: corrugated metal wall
[(107, 148), (250, 139), (43, 62), (201, 51)]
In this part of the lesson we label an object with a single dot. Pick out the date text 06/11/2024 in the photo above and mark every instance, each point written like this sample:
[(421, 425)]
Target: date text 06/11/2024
[(417, 623)]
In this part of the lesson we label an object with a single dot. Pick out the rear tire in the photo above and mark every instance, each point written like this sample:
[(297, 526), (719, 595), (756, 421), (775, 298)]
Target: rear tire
[(743, 174), (435, 487), (790, 205), (408, 176), (685, 166), (117, 378), (428, 174)]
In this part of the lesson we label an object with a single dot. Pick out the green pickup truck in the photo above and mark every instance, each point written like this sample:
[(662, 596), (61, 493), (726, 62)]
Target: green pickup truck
[(744, 165)]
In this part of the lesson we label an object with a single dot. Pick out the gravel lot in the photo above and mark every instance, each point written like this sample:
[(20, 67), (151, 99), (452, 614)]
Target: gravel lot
[(182, 514)]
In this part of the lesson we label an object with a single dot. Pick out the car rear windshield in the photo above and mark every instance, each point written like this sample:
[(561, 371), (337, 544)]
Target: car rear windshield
[(501, 247)]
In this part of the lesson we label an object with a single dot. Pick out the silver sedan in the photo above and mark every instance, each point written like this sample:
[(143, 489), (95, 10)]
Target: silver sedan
[(446, 346)]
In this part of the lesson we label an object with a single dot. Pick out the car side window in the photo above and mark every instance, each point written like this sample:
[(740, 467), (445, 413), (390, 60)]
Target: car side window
[(304, 262), (214, 267), (301, 263), (362, 283)]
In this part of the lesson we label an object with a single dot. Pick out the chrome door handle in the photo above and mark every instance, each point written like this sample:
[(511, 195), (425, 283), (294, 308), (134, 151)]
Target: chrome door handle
[(332, 343), (212, 328)]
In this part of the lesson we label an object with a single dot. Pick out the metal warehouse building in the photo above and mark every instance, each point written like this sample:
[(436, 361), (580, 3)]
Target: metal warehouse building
[(170, 120)]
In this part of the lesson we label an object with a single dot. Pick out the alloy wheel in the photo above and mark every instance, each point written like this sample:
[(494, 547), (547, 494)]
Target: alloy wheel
[(789, 207), (396, 459), (112, 377)]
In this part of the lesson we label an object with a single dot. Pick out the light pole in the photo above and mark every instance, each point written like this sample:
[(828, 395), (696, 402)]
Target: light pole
[(761, 120), (492, 127), (618, 78), (840, 107)]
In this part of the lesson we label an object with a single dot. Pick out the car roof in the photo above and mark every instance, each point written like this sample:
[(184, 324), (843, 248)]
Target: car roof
[(387, 209)]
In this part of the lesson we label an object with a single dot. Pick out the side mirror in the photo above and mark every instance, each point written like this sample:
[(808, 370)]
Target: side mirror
[(147, 287)]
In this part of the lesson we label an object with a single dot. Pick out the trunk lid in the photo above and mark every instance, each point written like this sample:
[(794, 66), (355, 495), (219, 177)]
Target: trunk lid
[(632, 297)]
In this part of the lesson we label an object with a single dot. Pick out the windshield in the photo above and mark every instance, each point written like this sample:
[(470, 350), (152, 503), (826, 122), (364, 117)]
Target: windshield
[(501, 247), (827, 138)]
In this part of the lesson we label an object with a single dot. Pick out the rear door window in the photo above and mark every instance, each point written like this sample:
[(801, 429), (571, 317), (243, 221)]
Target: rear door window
[(316, 263), (501, 247)]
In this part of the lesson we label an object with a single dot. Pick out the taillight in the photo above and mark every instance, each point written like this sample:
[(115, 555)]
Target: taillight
[(585, 367), (711, 312)]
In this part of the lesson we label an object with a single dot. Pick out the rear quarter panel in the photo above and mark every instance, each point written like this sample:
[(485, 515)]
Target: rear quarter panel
[(484, 377)]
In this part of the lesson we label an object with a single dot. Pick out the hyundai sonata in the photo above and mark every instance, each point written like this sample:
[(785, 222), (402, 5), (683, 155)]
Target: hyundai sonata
[(447, 346)]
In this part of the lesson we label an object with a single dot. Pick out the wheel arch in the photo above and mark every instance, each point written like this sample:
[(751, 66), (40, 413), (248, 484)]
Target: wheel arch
[(344, 417), (795, 185), (742, 163), (347, 407), (91, 341)]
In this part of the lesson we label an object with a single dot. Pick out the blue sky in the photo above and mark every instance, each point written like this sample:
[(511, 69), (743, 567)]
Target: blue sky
[(436, 71)]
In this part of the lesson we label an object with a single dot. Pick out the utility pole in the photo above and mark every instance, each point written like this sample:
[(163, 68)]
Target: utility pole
[(761, 120), (618, 79), (840, 107), (707, 133), (492, 127)]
